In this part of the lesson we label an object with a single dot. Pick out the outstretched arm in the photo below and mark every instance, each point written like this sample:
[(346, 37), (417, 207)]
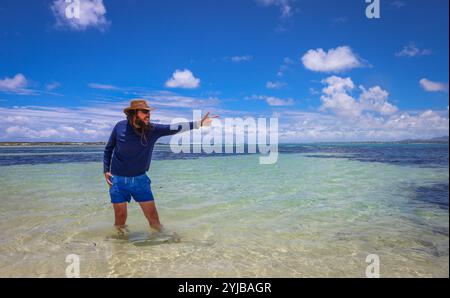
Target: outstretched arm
[(163, 130), (168, 130)]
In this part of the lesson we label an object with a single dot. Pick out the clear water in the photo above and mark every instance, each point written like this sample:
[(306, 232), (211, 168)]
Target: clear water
[(318, 212)]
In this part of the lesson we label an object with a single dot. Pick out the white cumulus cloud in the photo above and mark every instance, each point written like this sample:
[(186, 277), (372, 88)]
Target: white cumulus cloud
[(334, 60), (31, 133), (299, 126), (92, 14), (376, 99), (16, 84), (337, 97), (183, 79), (431, 86), (18, 81)]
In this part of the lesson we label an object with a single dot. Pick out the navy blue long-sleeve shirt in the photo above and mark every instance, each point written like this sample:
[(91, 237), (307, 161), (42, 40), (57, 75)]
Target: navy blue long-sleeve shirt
[(125, 155)]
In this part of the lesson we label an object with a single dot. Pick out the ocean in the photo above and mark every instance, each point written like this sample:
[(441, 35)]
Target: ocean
[(318, 212)]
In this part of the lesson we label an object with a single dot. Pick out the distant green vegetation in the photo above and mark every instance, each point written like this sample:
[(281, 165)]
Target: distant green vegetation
[(440, 140)]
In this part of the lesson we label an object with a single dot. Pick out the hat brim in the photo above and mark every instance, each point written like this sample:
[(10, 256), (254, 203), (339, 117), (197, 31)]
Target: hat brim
[(134, 109)]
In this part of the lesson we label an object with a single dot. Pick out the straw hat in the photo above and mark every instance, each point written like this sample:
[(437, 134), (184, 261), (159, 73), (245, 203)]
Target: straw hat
[(138, 104)]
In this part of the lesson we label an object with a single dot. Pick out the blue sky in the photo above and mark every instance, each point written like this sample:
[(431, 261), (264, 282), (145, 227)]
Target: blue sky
[(322, 67)]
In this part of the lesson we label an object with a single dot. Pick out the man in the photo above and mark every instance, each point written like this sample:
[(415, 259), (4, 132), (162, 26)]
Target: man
[(127, 158)]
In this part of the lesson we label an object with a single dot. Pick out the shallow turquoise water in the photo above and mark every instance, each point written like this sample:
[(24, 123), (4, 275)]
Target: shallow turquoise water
[(302, 217)]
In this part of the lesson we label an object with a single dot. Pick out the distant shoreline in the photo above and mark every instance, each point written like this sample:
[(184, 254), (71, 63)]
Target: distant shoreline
[(54, 144), (441, 140), (49, 144)]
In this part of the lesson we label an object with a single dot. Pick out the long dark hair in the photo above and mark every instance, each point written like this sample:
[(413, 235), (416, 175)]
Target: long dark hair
[(139, 127)]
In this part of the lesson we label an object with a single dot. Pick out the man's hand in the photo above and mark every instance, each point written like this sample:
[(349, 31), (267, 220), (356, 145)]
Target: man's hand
[(108, 177), (206, 120)]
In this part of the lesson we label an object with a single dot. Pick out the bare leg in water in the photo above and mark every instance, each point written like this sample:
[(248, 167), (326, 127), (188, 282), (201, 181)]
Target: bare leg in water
[(150, 212), (120, 215)]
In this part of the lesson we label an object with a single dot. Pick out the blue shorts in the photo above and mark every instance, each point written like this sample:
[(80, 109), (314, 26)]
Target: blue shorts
[(124, 188)]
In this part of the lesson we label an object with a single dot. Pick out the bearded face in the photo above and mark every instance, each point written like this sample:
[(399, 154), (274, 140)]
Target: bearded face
[(140, 124), (140, 121)]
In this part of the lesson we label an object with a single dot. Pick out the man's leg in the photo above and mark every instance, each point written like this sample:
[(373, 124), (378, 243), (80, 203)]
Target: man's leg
[(120, 214), (150, 212)]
